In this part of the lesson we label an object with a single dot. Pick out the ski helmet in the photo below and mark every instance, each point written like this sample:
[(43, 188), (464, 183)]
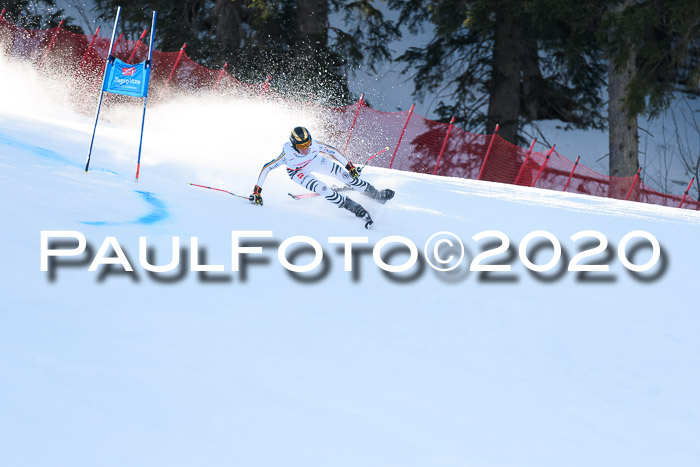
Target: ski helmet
[(300, 138)]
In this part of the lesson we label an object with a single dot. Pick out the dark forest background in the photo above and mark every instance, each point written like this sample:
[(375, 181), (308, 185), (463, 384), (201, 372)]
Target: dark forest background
[(590, 64)]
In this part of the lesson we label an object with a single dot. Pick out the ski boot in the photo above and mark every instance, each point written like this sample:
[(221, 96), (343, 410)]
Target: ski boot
[(358, 210), (381, 196)]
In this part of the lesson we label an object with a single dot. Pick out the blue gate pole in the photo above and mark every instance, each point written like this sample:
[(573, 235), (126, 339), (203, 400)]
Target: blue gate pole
[(145, 98), (99, 104)]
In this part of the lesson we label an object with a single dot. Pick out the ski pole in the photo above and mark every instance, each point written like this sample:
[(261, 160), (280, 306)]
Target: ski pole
[(367, 161), (219, 189)]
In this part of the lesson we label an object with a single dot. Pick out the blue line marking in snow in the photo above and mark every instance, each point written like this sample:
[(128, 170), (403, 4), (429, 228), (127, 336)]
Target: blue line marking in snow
[(157, 214), (107, 170), (99, 223), (43, 152), (38, 150)]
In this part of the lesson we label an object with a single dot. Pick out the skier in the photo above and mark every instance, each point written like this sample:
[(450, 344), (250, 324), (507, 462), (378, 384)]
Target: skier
[(303, 156)]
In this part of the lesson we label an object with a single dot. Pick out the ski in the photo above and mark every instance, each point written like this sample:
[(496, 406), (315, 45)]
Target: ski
[(313, 195)]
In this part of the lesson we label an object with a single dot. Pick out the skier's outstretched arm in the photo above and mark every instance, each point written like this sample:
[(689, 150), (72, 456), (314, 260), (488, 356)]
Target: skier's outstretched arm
[(256, 197)]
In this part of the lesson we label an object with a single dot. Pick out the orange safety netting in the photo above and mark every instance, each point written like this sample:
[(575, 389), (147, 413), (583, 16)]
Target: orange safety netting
[(416, 143)]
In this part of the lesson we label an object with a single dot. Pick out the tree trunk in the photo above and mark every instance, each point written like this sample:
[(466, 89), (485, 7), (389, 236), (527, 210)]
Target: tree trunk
[(504, 98), (228, 23), (190, 11), (533, 85), (622, 126), (312, 26)]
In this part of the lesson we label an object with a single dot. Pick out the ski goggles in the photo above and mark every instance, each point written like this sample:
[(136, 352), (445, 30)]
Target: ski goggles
[(304, 145)]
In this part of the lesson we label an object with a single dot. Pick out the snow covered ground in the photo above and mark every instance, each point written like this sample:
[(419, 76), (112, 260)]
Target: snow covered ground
[(262, 367)]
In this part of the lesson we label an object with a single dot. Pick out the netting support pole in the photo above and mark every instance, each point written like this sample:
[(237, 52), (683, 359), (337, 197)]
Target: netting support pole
[(444, 144), (572, 173), (266, 85), (634, 183), (94, 37), (525, 161), (177, 62), (544, 166), (488, 151), (221, 75), (136, 47), (97, 83), (685, 193), (410, 112), (116, 44), (354, 120), (48, 49)]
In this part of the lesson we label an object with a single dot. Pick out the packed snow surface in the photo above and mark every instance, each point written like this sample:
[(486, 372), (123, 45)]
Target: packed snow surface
[(264, 367)]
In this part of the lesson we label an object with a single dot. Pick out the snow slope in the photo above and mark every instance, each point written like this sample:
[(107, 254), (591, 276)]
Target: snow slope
[(268, 368)]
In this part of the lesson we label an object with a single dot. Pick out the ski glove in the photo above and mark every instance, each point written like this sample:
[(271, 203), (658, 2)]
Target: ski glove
[(255, 198), (353, 171)]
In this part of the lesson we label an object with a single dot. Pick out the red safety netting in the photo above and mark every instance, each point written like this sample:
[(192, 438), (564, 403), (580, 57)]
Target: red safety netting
[(424, 142), (415, 143), (83, 58), (420, 145)]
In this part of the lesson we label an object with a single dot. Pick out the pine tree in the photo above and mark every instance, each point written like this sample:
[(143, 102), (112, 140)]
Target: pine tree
[(516, 60), (291, 40), (642, 50), (648, 46)]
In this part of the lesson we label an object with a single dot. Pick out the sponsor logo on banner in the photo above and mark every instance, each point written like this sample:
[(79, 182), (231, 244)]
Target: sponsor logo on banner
[(128, 71)]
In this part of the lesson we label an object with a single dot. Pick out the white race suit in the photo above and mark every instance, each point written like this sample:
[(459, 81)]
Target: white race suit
[(321, 159)]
